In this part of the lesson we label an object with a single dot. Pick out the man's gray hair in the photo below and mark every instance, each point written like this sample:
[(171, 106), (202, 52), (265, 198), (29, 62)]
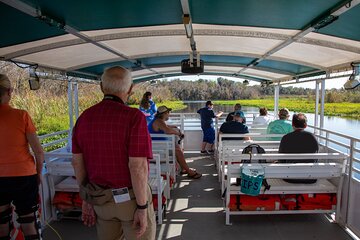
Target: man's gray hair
[(115, 80)]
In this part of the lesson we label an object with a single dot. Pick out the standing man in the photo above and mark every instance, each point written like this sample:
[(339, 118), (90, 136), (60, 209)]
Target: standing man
[(207, 125), (111, 147), (20, 172)]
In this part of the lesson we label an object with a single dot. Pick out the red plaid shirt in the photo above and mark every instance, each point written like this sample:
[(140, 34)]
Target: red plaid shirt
[(107, 134)]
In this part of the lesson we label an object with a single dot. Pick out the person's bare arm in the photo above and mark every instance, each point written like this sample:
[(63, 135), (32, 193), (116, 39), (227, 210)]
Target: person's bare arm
[(139, 178), (36, 147), (88, 213), (219, 114), (168, 130), (79, 168)]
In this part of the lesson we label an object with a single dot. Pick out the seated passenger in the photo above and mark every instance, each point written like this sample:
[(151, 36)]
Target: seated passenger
[(299, 141), (237, 107), (280, 126), (263, 118), (159, 126), (236, 126)]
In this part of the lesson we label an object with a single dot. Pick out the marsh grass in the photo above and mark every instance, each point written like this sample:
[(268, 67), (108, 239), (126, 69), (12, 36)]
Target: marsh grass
[(344, 109)]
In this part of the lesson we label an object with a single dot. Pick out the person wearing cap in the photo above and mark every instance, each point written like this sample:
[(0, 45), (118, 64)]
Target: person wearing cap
[(237, 107), (280, 126), (159, 126), (236, 126), (111, 150), (20, 172), (207, 125), (263, 118)]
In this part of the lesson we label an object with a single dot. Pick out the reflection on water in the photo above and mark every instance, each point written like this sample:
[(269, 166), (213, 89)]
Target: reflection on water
[(345, 126), (342, 125)]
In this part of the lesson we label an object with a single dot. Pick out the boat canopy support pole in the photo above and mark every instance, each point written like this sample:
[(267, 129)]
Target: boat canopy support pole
[(71, 111), (76, 99), (322, 105), (317, 97), (70, 104), (276, 99)]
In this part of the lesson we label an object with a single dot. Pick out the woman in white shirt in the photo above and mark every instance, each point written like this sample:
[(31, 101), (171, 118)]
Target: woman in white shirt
[(263, 118)]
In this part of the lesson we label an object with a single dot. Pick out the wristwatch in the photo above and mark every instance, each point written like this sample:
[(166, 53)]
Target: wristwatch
[(143, 206)]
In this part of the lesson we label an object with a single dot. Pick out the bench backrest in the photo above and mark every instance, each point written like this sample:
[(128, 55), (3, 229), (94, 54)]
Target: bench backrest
[(331, 165)]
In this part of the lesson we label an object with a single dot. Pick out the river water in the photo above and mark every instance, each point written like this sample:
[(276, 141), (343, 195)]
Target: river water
[(350, 127), (345, 126)]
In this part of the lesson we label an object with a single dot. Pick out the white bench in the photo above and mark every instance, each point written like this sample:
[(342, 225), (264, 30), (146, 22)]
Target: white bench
[(60, 175), (61, 172), (157, 184), (231, 149), (166, 150), (328, 170)]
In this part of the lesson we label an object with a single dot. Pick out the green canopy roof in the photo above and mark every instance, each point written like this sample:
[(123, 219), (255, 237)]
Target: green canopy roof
[(261, 40)]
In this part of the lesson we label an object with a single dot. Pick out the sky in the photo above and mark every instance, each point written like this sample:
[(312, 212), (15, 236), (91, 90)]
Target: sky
[(329, 84)]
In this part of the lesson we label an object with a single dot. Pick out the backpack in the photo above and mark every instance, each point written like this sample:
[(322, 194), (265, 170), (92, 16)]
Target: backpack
[(251, 149)]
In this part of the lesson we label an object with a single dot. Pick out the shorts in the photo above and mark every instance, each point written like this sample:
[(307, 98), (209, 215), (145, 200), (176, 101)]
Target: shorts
[(22, 192), (115, 220), (209, 135)]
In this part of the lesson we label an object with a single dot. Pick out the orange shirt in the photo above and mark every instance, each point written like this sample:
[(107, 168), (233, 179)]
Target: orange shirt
[(15, 157)]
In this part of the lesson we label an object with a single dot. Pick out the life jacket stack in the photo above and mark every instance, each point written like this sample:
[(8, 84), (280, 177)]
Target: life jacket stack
[(67, 200), (265, 202), (321, 201), (268, 202)]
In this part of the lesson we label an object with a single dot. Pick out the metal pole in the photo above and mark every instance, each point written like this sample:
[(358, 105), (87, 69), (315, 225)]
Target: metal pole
[(316, 120), (76, 99), (350, 172), (70, 105), (322, 112), (276, 100)]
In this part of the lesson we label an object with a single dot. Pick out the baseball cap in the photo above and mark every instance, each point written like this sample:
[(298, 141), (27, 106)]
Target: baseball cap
[(163, 109), (240, 114)]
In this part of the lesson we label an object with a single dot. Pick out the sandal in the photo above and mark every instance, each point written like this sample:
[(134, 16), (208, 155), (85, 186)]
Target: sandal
[(182, 172), (196, 175)]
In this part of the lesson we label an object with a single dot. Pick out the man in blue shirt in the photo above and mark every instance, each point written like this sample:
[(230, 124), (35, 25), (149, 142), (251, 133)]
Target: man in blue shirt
[(237, 108), (235, 126), (207, 125)]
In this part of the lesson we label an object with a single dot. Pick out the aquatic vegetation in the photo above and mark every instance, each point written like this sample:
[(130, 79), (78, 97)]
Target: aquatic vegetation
[(344, 109)]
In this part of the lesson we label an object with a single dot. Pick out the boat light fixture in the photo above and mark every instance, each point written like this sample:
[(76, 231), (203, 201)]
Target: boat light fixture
[(354, 79)]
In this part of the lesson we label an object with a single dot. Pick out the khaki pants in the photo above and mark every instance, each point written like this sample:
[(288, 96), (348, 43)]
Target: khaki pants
[(115, 220)]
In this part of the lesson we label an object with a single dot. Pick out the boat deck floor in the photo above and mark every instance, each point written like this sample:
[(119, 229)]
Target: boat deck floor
[(195, 211)]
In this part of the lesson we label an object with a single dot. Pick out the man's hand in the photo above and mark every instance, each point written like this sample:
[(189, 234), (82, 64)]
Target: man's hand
[(140, 222), (88, 214)]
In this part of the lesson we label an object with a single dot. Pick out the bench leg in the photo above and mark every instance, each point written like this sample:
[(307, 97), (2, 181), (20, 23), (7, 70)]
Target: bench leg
[(227, 220)]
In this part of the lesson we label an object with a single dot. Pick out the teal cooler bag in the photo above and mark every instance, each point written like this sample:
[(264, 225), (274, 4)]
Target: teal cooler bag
[(251, 179)]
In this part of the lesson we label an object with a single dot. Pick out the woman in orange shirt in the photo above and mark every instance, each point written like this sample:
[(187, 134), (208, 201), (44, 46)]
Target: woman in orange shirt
[(20, 173)]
